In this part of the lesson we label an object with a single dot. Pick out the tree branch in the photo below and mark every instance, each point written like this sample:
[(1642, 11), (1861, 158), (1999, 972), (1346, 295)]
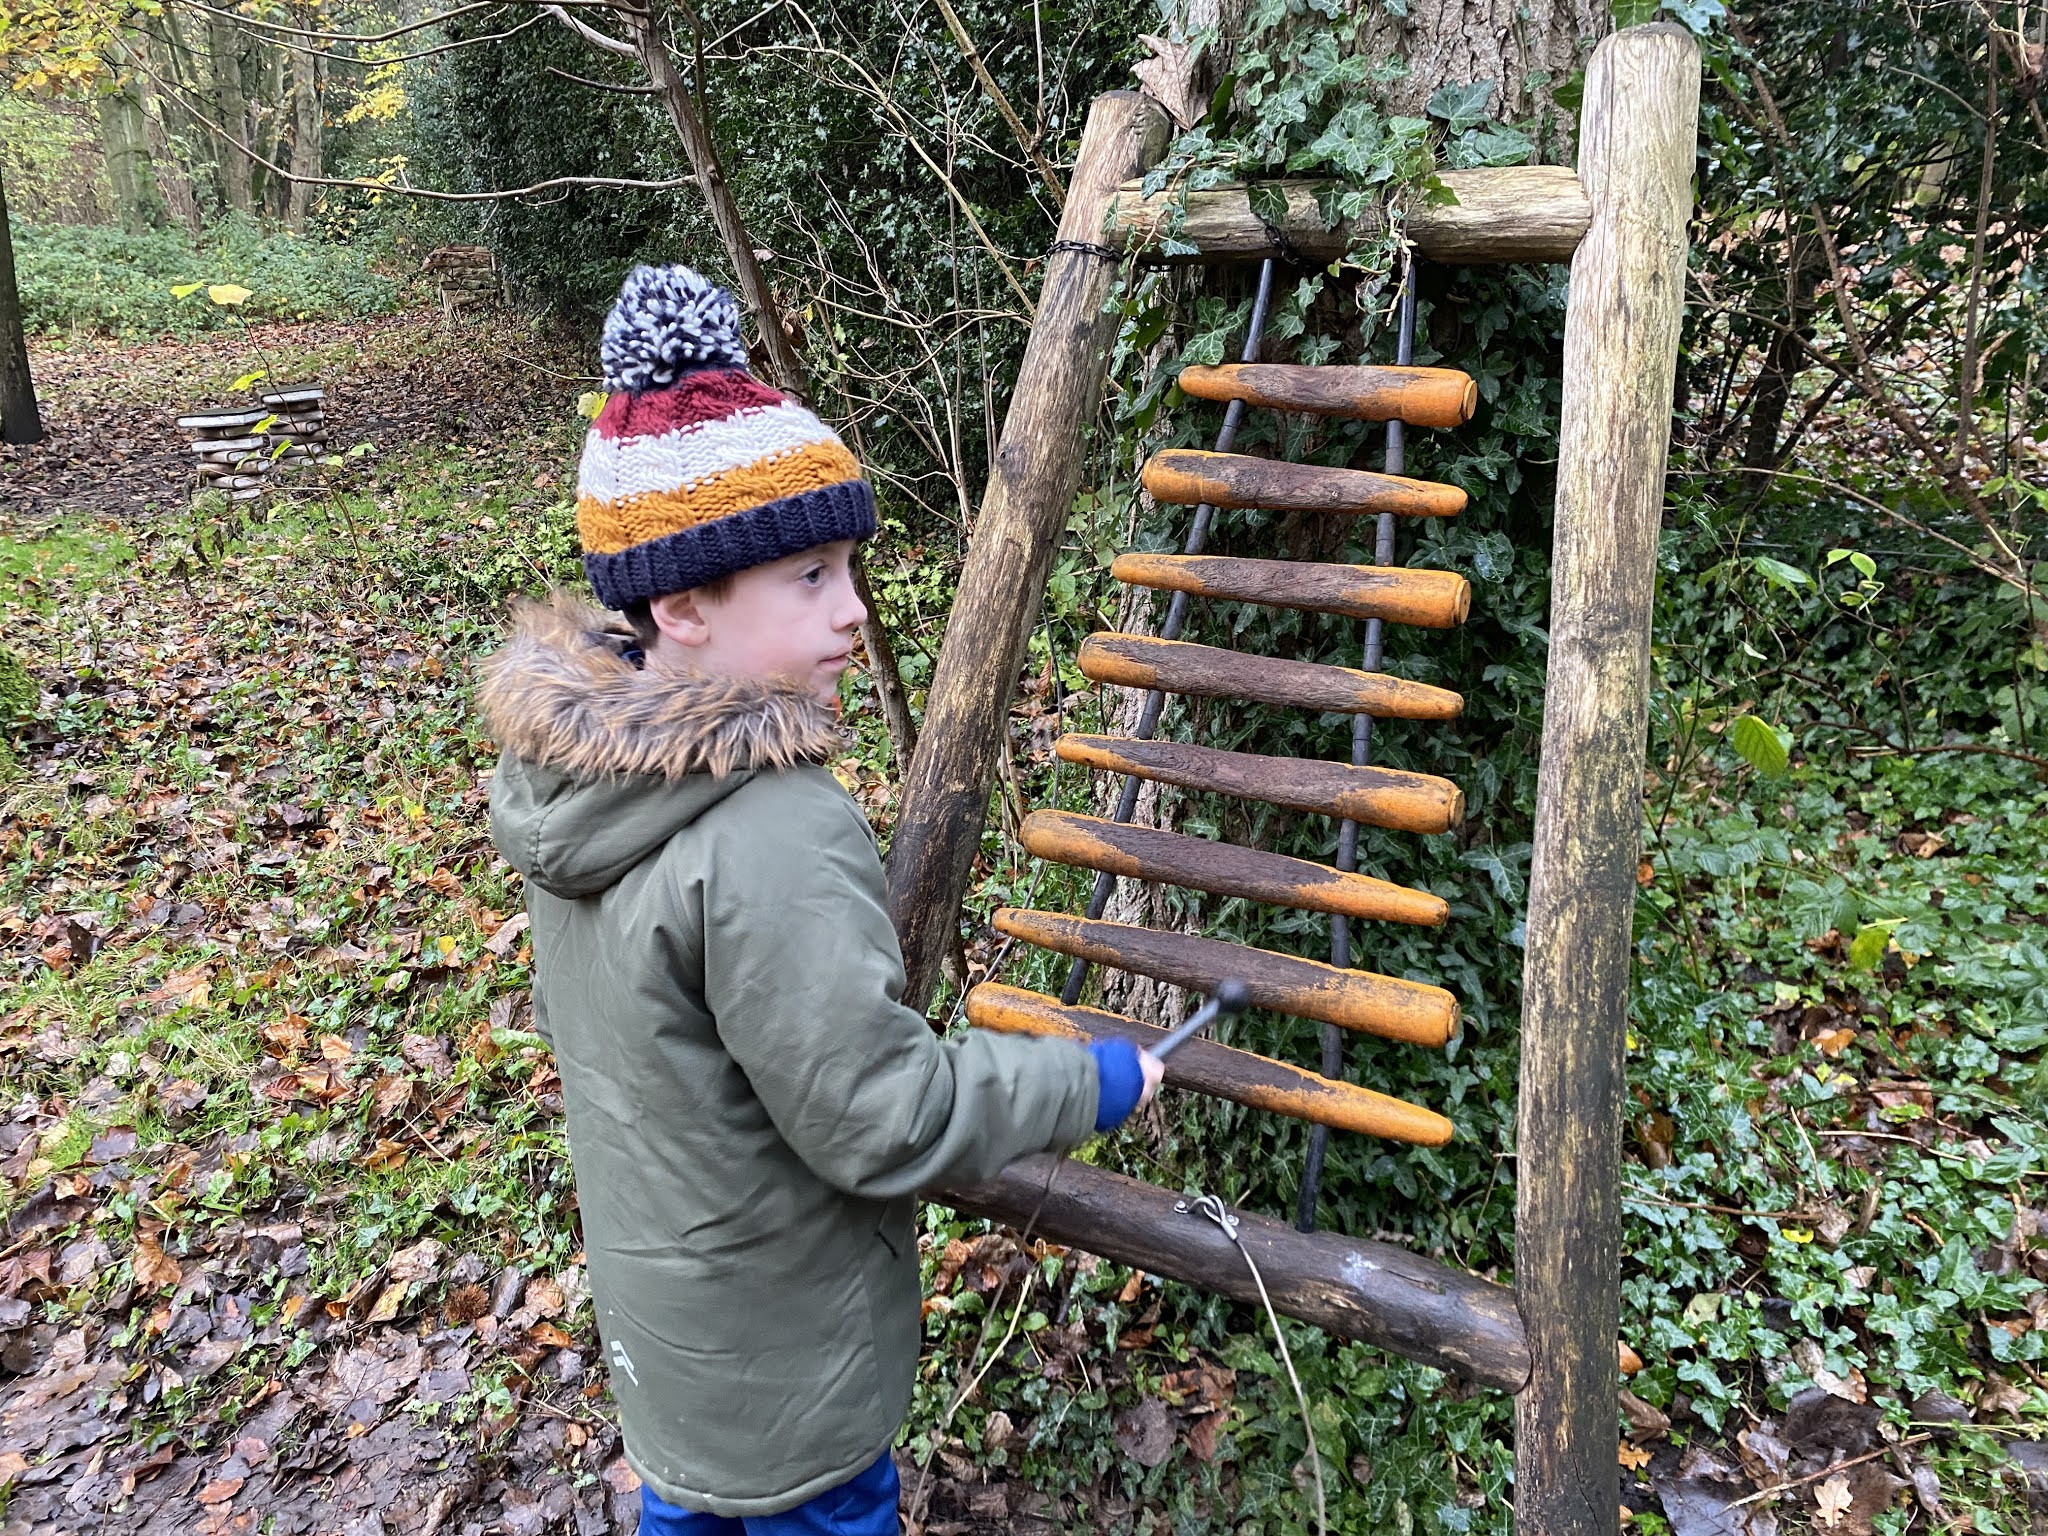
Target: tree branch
[(994, 92), (591, 35), (398, 189), (606, 85), (342, 37)]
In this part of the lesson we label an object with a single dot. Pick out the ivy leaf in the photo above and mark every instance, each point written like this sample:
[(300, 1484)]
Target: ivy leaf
[(1764, 747), (1779, 574), (1490, 145), (1870, 943), (1493, 558), (1462, 106), (1633, 13)]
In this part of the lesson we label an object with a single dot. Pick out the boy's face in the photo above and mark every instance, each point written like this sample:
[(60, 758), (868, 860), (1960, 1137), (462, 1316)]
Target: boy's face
[(792, 618)]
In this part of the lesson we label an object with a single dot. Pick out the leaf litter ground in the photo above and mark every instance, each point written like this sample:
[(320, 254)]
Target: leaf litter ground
[(290, 1240)]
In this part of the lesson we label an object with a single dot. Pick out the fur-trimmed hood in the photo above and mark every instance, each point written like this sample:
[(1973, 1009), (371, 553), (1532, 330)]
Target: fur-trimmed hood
[(604, 761), (562, 695)]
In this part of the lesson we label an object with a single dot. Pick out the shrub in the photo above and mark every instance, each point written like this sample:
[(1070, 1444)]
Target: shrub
[(103, 279)]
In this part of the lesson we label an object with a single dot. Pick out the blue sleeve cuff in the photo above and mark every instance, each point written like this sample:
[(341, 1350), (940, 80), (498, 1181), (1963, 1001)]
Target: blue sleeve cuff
[(1122, 1081)]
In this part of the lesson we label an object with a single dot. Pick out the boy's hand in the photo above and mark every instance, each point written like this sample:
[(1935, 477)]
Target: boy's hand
[(1154, 1070)]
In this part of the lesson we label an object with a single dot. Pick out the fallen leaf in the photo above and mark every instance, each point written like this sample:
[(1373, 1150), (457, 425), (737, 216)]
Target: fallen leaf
[(153, 1267), (112, 1145), (1831, 1501), (1633, 1457), (1145, 1432), (417, 1262), (389, 1300)]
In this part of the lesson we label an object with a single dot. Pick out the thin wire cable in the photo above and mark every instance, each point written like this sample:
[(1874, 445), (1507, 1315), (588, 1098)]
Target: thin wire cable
[(1213, 1208), (1361, 754), (1176, 617)]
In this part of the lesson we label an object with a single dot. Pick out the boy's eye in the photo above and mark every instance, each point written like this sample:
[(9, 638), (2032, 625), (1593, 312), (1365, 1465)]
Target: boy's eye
[(815, 574)]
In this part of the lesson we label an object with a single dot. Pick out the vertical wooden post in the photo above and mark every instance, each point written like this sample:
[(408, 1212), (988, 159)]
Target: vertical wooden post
[(1637, 137), (1031, 486)]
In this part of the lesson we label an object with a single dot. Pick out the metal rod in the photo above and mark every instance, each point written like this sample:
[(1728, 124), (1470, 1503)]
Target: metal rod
[(1176, 618), (1361, 754), (1232, 996)]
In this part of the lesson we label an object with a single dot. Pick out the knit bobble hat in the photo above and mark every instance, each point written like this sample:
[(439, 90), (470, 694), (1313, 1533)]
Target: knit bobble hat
[(694, 469)]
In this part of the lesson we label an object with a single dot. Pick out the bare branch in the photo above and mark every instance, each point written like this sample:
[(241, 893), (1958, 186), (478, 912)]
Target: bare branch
[(1026, 141), (606, 85), (591, 35), (341, 37), (399, 189)]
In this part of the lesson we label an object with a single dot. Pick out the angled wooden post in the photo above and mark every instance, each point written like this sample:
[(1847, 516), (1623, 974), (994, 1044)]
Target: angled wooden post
[(1031, 486), (1637, 135)]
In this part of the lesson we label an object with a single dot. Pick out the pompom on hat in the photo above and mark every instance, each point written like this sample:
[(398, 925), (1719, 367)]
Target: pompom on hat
[(695, 469)]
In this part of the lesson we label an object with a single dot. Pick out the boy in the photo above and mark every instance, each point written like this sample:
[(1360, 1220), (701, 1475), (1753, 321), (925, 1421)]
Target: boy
[(751, 1109)]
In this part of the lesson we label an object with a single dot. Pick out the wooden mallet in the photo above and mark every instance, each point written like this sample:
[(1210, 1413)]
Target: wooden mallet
[(1231, 996)]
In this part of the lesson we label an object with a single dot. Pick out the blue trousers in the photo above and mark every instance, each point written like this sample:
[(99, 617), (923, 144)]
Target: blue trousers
[(864, 1505)]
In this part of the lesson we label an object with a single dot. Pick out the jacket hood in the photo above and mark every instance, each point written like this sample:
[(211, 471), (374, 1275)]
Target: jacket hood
[(604, 760)]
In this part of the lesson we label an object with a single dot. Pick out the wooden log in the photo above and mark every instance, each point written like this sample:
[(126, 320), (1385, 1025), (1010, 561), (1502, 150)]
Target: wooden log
[(1194, 475), (1398, 594), (1517, 213), (1031, 486), (1223, 869), (1421, 397), (1208, 672), (220, 421), (1203, 1066), (1375, 797), (1351, 1288), (1638, 130), (1412, 1012)]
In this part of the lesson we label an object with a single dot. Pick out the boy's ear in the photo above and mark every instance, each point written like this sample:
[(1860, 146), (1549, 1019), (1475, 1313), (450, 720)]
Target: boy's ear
[(680, 618)]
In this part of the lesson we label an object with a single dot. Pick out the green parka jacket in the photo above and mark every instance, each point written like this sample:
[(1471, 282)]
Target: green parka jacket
[(751, 1109)]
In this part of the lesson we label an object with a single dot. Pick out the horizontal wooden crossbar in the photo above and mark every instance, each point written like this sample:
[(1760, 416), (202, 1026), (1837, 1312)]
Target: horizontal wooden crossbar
[(1421, 397), (1223, 869), (1351, 1288), (1207, 671), (1376, 797), (1397, 594), (1192, 475), (1514, 213), (1387, 1006), (1203, 1066)]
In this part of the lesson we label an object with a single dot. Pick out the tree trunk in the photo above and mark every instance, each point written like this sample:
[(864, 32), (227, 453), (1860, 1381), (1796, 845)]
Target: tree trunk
[(648, 36), (124, 134), (166, 118), (231, 110), (306, 126), (272, 111), (20, 421), (1525, 47)]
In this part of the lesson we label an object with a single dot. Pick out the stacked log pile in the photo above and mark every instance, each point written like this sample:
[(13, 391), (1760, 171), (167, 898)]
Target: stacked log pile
[(232, 453), (300, 424), (468, 276), (239, 449)]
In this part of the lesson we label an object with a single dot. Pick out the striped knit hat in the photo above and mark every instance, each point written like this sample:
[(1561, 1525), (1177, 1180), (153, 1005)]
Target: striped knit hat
[(694, 469)]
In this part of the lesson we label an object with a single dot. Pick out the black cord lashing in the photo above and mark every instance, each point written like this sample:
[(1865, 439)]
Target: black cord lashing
[(1084, 248)]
